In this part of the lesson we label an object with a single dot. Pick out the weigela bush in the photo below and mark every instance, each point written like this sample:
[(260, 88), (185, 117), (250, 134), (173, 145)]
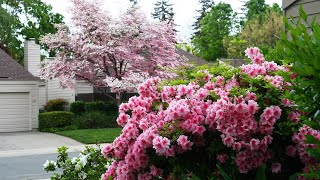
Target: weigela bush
[(213, 122)]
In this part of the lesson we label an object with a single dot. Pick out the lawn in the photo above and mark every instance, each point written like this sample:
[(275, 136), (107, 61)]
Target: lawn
[(92, 136)]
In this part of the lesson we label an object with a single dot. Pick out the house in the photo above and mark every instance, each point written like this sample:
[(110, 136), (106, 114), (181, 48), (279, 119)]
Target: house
[(18, 96), (312, 8)]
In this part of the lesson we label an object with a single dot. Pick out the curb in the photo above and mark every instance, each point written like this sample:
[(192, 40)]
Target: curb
[(49, 150)]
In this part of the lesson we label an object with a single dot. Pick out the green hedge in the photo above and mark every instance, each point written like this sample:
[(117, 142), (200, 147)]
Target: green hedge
[(56, 105), (96, 119), (55, 119), (78, 107)]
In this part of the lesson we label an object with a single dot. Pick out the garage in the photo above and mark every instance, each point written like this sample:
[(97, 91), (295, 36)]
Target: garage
[(18, 96), (14, 110)]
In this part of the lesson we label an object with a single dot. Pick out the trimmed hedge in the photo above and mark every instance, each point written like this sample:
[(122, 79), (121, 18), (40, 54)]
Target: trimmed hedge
[(96, 106), (55, 119), (56, 105), (96, 119), (78, 107)]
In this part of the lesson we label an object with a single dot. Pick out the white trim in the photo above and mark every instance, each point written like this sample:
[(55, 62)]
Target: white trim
[(18, 82)]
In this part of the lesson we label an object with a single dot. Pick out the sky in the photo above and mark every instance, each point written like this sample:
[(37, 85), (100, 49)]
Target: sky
[(185, 11)]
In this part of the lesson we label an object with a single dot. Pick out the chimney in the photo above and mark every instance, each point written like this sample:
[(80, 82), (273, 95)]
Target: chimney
[(32, 57)]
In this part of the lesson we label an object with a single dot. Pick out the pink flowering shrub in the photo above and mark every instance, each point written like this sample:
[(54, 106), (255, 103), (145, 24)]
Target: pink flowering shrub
[(238, 119)]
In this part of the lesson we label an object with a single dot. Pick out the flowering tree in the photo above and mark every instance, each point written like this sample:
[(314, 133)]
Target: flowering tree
[(104, 51), (216, 122)]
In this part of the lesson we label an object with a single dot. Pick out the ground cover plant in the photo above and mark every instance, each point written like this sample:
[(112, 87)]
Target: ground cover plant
[(213, 123)]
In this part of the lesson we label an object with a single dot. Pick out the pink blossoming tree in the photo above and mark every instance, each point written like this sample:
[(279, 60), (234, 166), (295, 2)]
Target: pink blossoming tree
[(214, 123), (111, 52)]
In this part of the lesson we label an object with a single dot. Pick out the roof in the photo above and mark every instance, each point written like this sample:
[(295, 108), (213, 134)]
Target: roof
[(192, 58), (287, 3), (11, 70)]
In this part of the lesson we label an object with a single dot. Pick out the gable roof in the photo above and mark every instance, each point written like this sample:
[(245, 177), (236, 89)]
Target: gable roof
[(287, 3), (192, 58), (11, 70)]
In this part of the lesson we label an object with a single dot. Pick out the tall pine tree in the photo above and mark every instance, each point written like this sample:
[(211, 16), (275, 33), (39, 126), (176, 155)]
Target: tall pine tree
[(256, 8), (205, 7), (163, 11), (134, 2)]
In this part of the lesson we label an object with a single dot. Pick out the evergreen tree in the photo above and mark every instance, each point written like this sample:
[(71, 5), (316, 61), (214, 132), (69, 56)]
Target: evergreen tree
[(205, 7), (215, 25), (163, 11), (256, 8), (134, 2)]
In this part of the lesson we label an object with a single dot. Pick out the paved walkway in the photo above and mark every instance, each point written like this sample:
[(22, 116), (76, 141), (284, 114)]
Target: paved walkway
[(35, 143)]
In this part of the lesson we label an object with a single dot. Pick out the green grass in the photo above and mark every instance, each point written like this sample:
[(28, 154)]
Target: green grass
[(92, 136)]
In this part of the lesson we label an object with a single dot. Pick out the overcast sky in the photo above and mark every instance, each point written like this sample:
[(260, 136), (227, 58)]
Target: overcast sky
[(185, 10)]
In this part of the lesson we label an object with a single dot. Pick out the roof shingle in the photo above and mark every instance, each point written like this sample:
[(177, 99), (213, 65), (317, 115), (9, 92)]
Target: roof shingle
[(192, 58), (12, 70)]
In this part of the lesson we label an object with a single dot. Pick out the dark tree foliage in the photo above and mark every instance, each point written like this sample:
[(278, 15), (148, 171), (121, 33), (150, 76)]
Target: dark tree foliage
[(163, 11), (258, 9), (134, 2), (205, 7), (25, 19), (216, 24)]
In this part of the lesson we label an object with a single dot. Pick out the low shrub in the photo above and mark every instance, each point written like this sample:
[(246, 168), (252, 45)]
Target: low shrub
[(101, 106), (111, 106), (90, 164), (95, 106), (56, 105), (78, 107), (55, 119), (54, 130), (96, 119)]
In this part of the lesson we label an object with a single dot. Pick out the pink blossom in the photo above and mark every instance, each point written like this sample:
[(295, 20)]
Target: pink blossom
[(291, 150), (161, 144), (294, 117), (222, 158), (184, 142), (276, 167)]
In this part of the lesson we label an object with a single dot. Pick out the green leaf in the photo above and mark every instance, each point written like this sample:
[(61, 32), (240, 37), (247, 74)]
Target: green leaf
[(303, 14), (261, 173), (294, 176), (223, 174)]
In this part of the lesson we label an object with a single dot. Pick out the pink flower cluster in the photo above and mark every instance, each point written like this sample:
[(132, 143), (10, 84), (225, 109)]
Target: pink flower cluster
[(171, 120), (299, 138), (262, 67)]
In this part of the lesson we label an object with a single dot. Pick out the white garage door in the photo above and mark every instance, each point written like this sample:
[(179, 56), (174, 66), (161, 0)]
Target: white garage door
[(14, 112)]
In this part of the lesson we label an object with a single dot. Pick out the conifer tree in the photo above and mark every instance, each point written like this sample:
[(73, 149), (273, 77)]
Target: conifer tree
[(163, 11), (205, 7), (134, 2)]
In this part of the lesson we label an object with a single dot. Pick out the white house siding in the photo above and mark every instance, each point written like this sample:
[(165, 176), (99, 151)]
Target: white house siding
[(43, 99), (83, 88), (54, 91), (21, 100)]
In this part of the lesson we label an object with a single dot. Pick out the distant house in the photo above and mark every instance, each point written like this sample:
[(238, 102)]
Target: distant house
[(18, 96), (312, 8)]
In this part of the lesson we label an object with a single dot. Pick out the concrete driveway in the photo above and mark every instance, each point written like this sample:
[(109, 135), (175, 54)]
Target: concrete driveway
[(34, 143)]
